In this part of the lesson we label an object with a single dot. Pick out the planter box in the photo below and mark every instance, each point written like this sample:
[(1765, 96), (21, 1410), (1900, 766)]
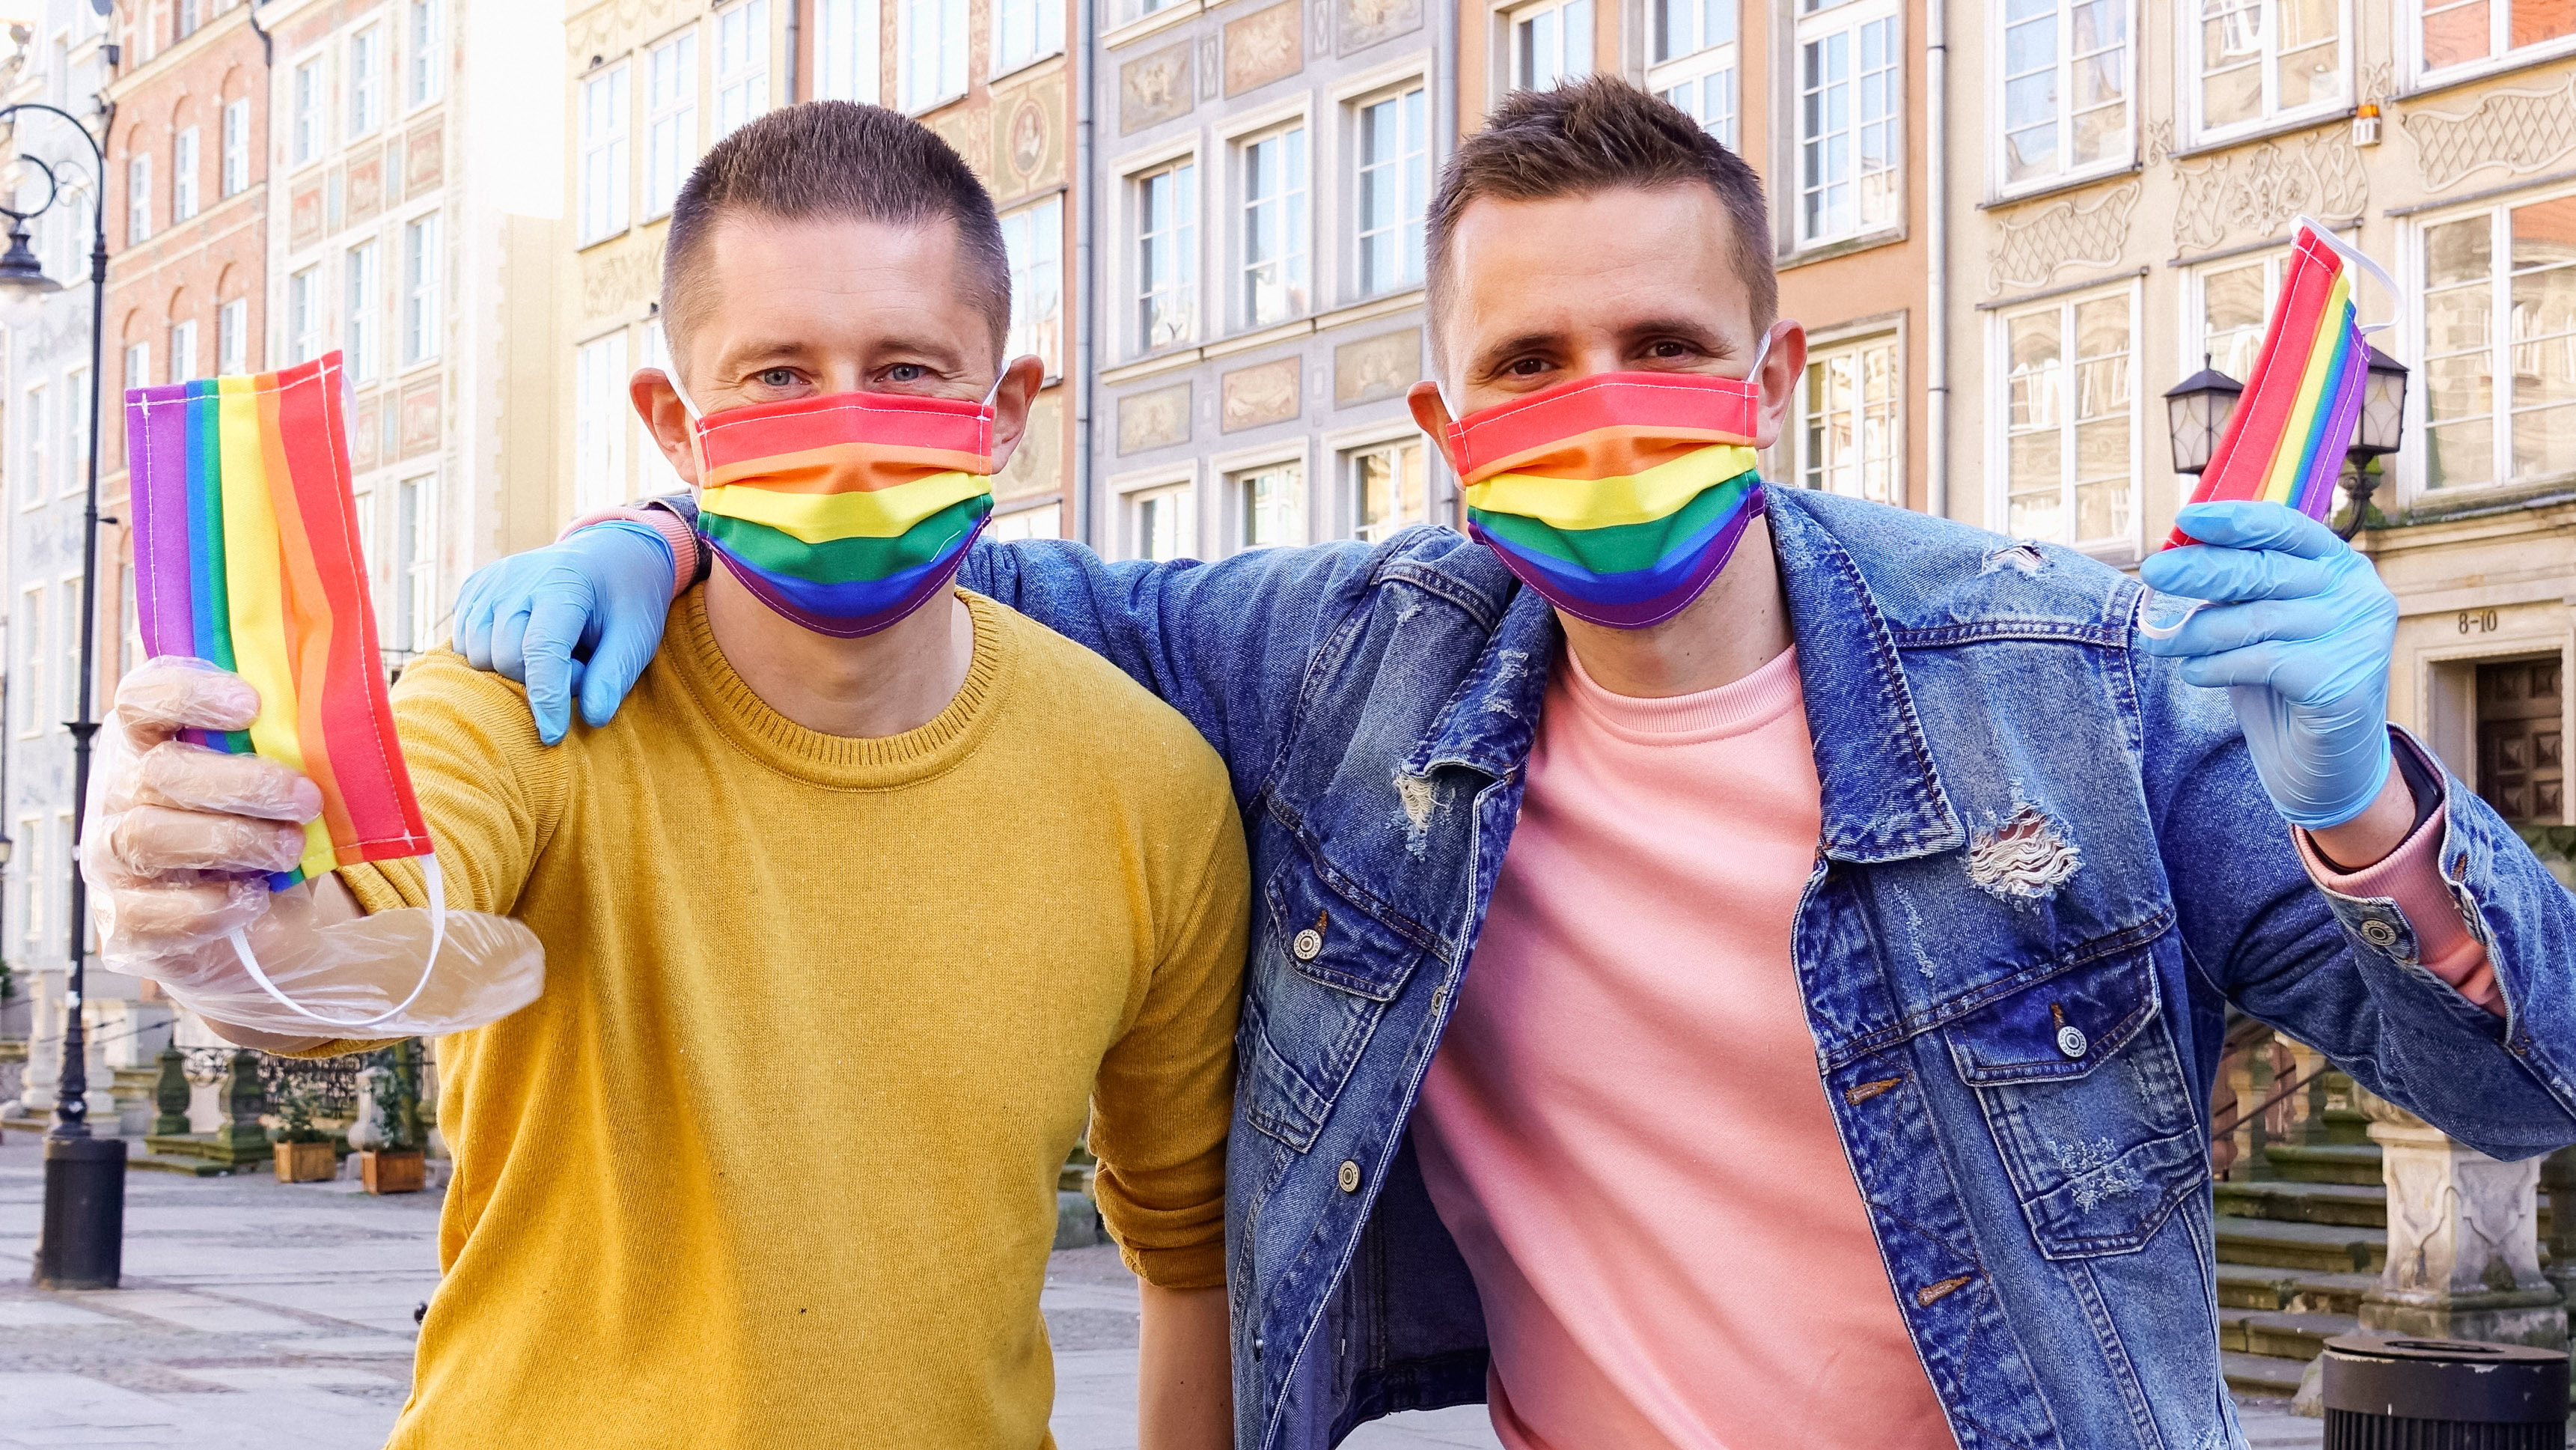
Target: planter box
[(393, 1171), (306, 1162)]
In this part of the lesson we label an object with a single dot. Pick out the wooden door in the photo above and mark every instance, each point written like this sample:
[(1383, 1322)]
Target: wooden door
[(2522, 753)]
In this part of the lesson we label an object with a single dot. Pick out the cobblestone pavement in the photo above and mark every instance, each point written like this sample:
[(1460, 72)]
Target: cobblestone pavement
[(262, 1316)]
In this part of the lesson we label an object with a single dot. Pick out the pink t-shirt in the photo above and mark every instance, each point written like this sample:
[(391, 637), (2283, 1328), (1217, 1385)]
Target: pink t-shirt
[(1624, 1127)]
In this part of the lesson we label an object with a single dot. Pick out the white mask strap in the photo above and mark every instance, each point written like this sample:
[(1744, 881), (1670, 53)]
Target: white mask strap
[(1754, 374), (437, 890), (2354, 255), (686, 406)]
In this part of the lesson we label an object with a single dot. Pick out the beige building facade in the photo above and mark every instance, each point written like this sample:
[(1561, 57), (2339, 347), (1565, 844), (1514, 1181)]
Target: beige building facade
[(2128, 176)]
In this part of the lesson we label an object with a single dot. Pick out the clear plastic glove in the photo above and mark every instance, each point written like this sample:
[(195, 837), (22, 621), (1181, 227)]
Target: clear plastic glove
[(2300, 631), (583, 615), (177, 849)]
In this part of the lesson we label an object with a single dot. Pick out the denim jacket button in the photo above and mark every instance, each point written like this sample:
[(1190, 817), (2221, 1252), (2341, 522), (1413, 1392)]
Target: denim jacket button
[(2072, 1041), (2379, 934), (1306, 945), (1349, 1177)]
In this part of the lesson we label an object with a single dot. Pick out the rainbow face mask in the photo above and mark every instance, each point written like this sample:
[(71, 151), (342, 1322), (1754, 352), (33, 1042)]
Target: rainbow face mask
[(1618, 496), (847, 512)]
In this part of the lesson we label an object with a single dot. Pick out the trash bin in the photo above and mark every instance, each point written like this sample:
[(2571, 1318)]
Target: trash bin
[(2443, 1394)]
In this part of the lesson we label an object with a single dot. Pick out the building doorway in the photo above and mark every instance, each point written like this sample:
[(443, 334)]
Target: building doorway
[(2522, 753)]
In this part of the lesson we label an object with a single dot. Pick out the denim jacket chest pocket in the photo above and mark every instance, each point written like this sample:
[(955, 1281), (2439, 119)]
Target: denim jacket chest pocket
[(1323, 971), (2083, 1090)]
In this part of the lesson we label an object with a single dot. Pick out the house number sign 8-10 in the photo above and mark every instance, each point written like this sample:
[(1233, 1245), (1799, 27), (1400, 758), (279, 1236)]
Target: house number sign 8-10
[(2477, 621)]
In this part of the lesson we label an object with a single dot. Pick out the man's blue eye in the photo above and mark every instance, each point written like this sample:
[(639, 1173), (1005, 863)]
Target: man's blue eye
[(906, 372), (779, 378)]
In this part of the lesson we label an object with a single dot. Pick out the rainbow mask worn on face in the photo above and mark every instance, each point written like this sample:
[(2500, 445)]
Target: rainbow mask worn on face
[(1617, 496), (844, 512)]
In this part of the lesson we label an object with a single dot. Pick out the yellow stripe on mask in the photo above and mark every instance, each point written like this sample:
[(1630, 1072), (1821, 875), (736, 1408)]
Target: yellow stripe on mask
[(1606, 503), (820, 518)]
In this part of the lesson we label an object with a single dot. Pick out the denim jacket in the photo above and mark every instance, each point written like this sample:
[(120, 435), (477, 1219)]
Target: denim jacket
[(2046, 866)]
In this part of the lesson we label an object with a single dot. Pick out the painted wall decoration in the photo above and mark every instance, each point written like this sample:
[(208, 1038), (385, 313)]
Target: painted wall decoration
[(1154, 87), (2078, 231), (2516, 132), (1366, 22), (1037, 465), (1254, 396), (1156, 419), (2255, 193), (1264, 46), (1376, 368)]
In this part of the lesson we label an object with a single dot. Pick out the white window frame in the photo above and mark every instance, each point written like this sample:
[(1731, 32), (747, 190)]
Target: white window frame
[(183, 349), (232, 337), (425, 52), (1038, 23), (304, 314), (1347, 463), (2195, 303), (1999, 420), (1294, 262), (236, 142), (1033, 236), (138, 364), (304, 103), (1805, 467), (67, 624), (2271, 115), (422, 262), (1180, 488), (1036, 521), (36, 443), (2063, 73), (183, 176), (366, 96), (1187, 289), (33, 645), (1235, 478), (671, 119), (1847, 19), (2501, 53), (600, 410), (1687, 74), (847, 51), (1411, 165), (604, 121), (2416, 476), (75, 431), (936, 76), (742, 66), (1521, 35), (415, 580), (138, 198), (362, 295)]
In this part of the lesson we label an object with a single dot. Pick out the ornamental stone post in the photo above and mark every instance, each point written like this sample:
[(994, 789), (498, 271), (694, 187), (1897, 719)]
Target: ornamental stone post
[(171, 1094), (44, 1045), (2463, 1241)]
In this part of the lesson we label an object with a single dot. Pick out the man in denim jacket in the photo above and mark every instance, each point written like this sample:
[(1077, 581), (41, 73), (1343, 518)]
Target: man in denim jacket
[(1836, 1071)]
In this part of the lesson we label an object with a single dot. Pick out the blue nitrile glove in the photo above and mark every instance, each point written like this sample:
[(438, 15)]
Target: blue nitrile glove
[(584, 614), (2300, 630)]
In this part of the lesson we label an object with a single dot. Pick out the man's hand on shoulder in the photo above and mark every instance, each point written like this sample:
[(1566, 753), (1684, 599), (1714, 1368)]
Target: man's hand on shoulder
[(583, 616)]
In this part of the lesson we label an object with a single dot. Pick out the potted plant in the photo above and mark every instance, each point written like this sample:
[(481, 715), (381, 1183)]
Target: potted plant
[(304, 1152), (392, 1161)]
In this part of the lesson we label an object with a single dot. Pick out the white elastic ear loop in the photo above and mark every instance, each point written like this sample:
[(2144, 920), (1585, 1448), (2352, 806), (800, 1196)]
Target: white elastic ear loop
[(2354, 255), (1753, 374), (2165, 631), (437, 888)]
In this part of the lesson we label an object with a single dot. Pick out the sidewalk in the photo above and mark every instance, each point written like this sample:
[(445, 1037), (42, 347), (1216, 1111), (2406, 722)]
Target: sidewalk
[(259, 1316)]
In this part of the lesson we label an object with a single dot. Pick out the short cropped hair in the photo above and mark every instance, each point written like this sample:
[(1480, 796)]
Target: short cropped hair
[(835, 159), (1588, 136)]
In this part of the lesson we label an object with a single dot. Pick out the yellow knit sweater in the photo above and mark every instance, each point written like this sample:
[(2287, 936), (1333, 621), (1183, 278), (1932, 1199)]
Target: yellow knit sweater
[(772, 1161)]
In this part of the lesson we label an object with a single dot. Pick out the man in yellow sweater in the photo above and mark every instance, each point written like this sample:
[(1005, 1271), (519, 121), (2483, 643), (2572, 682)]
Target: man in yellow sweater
[(868, 901)]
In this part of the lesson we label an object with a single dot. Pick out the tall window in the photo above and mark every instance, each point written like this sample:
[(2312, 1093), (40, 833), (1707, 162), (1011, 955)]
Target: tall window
[(1024, 30), (1034, 237), (75, 429), (364, 273), (420, 320), (1272, 503), (1274, 227), (416, 563), (671, 135), (1847, 109), (366, 80), (1695, 61), (304, 315), (603, 154), (236, 146), (1394, 180), (183, 175), (1163, 523), (2468, 32), (1167, 256), (1551, 42), (38, 431), (183, 350), (2066, 87), (67, 615), (304, 99), (191, 14), (2500, 345), (138, 198), (426, 75), (36, 881), (742, 65), (2070, 408), (138, 364), (1387, 490), (29, 628), (232, 337), (599, 424), (845, 51), (2262, 59), (1847, 413), (2235, 298), (931, 50)]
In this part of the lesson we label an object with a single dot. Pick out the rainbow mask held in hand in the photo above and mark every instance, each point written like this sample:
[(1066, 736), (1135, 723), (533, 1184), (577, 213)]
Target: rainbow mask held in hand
[(845, 512), (1617, 496)]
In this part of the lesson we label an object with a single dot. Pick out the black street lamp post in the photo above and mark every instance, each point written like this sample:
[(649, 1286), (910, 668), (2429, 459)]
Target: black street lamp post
[(80, 1244), (2198, 407)]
